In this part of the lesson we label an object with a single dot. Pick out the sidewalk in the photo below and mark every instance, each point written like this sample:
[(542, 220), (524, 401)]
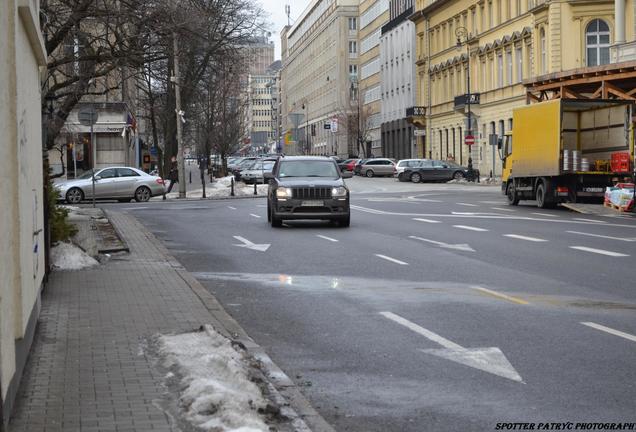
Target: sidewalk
[(90, 368)]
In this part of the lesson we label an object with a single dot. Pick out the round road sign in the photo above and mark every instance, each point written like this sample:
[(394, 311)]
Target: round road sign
[(469, 140)]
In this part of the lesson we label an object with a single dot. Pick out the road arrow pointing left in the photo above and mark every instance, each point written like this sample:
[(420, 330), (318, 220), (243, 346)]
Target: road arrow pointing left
[(490, 360), (462, 247), (249, 245)]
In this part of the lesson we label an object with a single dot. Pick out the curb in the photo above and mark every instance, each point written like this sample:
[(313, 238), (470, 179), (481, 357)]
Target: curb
[(304, 418)]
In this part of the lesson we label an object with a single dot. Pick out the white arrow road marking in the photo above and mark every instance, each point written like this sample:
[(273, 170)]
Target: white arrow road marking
[(625, 239), (462, 247), (598, 251), (231, 208), (490, 360), (520, 237), (327, 238), (426, 220), (249, 245), (391, 259), (256, 216), (470, 228), (467, 205), (610, 331)]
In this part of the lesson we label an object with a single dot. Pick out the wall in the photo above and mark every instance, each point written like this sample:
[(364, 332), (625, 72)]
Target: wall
[(22, 244)]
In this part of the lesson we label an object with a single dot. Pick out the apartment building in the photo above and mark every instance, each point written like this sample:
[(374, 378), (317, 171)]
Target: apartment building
[(319, 52), (22, 243), (373, 15), (502, 46), (397, 78), (263, 109)]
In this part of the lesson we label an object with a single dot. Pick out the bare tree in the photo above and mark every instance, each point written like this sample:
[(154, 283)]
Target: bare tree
[(353, 123)]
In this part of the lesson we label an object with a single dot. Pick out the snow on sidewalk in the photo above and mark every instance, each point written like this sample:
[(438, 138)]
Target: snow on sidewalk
[(219, 189), (217, 394), (67, 256)]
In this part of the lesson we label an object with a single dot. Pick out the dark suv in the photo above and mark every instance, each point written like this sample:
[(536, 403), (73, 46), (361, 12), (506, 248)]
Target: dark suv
[(307, 187)]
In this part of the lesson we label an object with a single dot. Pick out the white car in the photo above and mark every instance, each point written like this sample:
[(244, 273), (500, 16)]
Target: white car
[(120, 183), (404, 164), (256, 171)]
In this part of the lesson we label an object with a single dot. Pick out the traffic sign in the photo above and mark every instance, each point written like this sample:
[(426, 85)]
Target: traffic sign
[(469, 140)]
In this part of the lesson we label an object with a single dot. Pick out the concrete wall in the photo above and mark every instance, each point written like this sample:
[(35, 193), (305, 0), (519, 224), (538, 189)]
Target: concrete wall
[(22, 241)]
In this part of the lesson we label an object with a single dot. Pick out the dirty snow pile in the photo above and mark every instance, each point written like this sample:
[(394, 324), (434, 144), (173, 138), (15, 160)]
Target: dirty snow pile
[(217, 394), (67, 256)]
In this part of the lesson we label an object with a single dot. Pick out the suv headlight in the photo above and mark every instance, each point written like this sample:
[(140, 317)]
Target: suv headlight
[(283, 193), (339, 192)]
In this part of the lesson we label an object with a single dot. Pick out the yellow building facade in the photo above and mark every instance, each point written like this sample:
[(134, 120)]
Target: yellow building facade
[(501, 45)]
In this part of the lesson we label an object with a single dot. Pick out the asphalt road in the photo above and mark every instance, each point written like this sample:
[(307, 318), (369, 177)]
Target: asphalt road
[(440, 309)]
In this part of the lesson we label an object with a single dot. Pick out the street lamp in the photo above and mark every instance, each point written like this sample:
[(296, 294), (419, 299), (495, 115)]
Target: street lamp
[(353, 91), (307, 144), (462, 38)]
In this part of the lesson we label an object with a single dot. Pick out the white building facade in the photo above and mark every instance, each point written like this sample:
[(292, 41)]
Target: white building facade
[(22, 243), (398, 91)]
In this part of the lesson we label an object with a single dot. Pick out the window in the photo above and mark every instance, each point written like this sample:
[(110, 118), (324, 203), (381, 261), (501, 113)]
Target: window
[(353, 23), (126, 172), (353, 47), (500, 70), (108, 173), (353, 70), (544, 53), (509, 67), (519, 54), (597, 41)]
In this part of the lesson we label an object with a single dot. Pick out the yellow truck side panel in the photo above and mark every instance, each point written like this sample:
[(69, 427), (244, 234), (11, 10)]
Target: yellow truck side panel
[(536, 144)]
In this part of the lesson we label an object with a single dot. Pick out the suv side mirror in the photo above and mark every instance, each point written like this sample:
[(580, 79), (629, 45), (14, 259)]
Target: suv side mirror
[(347, 174), (97, 177)]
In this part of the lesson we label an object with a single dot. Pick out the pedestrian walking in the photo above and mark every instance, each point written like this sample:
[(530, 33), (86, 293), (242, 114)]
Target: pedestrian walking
[(173, 174)]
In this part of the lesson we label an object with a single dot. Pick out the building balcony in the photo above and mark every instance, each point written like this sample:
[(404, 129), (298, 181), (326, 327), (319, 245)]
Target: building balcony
[(623, 52)]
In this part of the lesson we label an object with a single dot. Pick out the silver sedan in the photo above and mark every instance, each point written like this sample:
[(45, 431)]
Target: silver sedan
[(120, 183)]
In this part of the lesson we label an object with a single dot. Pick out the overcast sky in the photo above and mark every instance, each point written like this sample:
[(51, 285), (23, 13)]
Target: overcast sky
[(276, 11)]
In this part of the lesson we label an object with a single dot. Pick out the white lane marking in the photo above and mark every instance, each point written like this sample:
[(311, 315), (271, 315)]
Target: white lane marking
[(470, 228), (391, 259), (589, 220), (463, 247), (545, 214), (467, 204), (327, 238), (426, 220), (490, 202), (520, 237), (421, 331), (231, 208), (625, 239), (135, 208), (500, 295), (599, 251), (610, 331), (491, 360), (503, 209), (256, 216)]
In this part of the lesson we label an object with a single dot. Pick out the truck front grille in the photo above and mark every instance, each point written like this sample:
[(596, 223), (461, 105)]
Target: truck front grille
[(311, 193)]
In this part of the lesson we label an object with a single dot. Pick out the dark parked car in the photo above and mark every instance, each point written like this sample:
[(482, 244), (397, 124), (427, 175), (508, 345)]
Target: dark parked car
[(347, 164), (358, 166), (307, 187), (437, 170)]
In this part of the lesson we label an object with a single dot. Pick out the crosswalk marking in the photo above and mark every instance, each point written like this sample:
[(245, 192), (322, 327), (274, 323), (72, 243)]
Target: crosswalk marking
[(520, 237), (610, 331), (599, 251)]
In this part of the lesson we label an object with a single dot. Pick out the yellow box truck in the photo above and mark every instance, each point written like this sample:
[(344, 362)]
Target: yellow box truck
[(559, 150)]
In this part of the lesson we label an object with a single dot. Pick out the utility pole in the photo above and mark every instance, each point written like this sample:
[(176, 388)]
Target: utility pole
[(177, 96)]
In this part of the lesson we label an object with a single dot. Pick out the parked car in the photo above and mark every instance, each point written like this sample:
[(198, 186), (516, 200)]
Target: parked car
[(358, 166), (378, 167), (402, 164), (255, 173), (307, 187), (120, 183), (436, 170), (347, 164), (245, 164)]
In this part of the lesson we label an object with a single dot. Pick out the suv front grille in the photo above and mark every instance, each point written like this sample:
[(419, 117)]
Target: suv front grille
[(311, 193)]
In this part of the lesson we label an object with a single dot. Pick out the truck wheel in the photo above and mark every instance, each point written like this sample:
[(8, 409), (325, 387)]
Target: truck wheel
[(541, 196), (513, 199)]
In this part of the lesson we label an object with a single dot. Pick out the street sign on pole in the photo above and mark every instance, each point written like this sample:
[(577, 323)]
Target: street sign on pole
[(469, 140)]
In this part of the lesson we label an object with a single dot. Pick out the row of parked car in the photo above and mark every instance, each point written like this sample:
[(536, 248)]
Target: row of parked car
[(414, 170)]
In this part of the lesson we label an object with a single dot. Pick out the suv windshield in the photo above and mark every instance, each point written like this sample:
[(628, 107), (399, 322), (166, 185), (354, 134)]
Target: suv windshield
[(308, 168)]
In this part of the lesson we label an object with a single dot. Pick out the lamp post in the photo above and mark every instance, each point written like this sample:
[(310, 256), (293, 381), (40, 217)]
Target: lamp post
[(307, 144), (462, 38), (354, 91)]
